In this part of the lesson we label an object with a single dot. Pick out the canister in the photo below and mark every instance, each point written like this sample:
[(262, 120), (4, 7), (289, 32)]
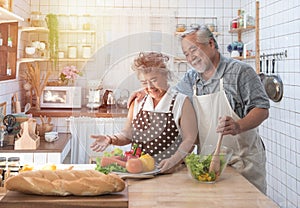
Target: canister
[(86, 51), (13, 164), (72, 52), (61, 54)]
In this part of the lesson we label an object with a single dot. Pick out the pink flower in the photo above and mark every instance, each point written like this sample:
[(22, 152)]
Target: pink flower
[(69, 73)]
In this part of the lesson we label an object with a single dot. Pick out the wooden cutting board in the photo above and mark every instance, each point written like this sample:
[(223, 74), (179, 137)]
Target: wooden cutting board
[(18, 200)]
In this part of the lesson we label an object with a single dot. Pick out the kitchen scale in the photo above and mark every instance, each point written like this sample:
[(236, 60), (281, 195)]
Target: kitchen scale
[(95, 88)]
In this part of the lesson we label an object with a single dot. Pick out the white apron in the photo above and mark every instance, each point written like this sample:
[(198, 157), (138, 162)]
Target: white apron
[(248, 152)]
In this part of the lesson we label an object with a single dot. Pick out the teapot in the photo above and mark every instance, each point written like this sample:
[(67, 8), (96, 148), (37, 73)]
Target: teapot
[(122, 101)]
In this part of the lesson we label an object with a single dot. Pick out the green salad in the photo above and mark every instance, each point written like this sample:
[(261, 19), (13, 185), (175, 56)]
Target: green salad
[(112, 167), (198, 165)]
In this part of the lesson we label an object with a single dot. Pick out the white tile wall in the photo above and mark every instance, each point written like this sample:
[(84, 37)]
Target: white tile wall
[(279, 23), (281, 131)]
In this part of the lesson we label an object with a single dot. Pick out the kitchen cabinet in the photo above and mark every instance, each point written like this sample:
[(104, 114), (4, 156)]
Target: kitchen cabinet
[(8, 44), (241, 30), (53, 152)]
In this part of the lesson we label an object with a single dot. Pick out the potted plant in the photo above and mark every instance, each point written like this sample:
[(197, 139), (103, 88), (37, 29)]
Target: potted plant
[(52, 23)]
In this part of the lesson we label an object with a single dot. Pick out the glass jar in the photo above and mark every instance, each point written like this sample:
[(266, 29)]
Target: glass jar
[(72, 52), (234, 23), (13, 164), (86, 51), (180, 27), (2, 162), (37, 19)]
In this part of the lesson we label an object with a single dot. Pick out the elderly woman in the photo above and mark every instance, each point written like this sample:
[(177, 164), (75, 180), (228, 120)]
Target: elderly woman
[(164, 124)]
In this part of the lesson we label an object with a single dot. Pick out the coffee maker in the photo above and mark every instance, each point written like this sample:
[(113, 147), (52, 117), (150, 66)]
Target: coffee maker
[(95, 87)]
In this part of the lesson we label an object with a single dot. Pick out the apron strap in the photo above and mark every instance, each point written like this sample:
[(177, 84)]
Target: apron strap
[(172, 102), (221, 84)]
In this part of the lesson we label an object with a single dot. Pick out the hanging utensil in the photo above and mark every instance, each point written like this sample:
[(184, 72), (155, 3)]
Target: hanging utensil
[(261, 74), (27, 108), (274, 85), (9, 121)]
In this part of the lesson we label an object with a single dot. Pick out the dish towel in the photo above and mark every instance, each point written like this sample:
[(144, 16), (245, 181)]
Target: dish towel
[(82, 127)]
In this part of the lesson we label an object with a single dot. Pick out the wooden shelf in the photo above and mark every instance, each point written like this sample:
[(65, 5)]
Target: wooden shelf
[(7, 16), (239, 32), (242, 30), (244, 58), (180, 60), (46, 30), (214, 33), (34, 29), (28, 60), (78, 31)]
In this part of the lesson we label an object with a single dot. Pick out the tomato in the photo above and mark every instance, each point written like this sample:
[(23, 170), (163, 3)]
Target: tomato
[(134, 165)]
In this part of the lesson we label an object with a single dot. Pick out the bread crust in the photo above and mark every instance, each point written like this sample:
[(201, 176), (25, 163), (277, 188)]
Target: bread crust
[(65, 182)]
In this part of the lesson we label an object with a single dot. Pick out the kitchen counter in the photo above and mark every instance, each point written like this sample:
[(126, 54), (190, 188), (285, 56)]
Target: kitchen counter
[(62, 112), (173, 190), (47, 152), (178, 190), (56, 146)]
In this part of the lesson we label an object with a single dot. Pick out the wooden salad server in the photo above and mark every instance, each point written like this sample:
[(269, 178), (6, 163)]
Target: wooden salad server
[(215, 164)]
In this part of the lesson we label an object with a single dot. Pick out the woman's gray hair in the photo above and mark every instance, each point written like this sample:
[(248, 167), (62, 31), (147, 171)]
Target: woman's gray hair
[(203, 35), (147, 62)]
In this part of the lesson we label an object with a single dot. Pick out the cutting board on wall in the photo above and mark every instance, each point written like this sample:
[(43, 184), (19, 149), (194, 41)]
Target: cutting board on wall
[(18, 200)]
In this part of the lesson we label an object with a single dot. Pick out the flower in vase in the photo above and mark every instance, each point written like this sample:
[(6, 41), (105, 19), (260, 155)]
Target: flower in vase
[(69, 73)]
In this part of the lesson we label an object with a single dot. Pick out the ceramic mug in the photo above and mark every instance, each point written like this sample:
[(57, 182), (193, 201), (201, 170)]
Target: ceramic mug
[(51, 136)]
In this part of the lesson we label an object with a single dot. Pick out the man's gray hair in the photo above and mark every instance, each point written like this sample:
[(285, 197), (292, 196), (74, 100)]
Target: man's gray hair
[(203, 35)]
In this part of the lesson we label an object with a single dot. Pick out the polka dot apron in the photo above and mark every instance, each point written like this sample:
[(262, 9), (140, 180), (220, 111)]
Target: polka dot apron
[(156, 133)]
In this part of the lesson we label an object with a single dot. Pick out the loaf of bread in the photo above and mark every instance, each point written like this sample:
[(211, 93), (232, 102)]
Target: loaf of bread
[(65, 182)]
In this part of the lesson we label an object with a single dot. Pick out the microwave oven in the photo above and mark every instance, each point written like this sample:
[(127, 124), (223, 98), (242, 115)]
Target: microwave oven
[(61, 97)]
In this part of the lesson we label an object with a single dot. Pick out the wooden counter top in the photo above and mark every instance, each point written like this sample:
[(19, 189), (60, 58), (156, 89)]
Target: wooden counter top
[(175, 190), (56, 146), (178, 190), (60, 112)]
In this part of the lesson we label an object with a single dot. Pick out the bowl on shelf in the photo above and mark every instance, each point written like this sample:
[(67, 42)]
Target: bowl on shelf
[(30, 50), (180, 27), (198, 164)]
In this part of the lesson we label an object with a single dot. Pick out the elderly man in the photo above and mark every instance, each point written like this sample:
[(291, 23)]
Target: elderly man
[(229, 99)]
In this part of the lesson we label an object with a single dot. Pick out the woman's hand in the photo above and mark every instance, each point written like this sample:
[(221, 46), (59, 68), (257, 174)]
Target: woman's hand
[(139, 95), (101, 143), (226, 125), (166, 166)]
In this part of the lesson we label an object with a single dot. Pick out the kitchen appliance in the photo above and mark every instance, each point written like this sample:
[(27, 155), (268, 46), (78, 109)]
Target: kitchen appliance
[(94, 94), (61, 97), (109, 100)]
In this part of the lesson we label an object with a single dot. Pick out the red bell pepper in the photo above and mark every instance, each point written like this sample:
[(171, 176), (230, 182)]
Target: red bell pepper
[(135, 152)]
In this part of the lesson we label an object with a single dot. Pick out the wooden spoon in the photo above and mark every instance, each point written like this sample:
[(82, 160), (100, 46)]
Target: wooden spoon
[(215, 163)]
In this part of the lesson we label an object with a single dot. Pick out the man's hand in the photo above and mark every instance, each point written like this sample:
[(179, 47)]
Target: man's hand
[(139, 95), (226, 125)]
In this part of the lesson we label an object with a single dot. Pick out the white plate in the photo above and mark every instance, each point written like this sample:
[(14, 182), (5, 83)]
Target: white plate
[(153, 172)]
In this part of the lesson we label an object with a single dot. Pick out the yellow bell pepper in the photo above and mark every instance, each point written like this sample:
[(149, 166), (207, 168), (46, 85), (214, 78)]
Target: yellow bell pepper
[(148, 162)]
